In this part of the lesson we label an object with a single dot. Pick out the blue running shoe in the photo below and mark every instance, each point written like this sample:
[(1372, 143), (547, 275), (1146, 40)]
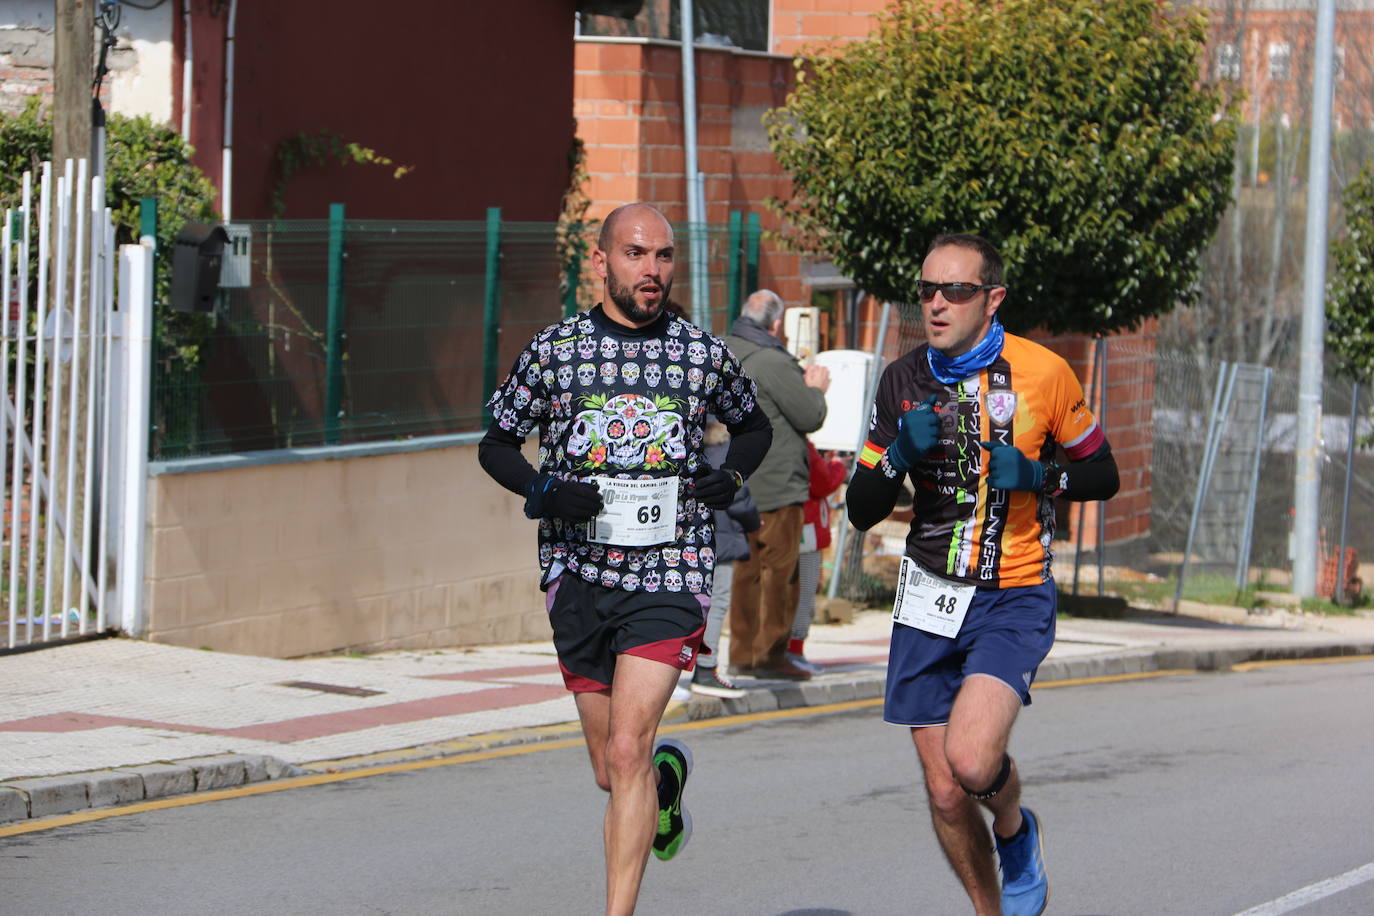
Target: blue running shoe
[(1025, 887), (673, 761)]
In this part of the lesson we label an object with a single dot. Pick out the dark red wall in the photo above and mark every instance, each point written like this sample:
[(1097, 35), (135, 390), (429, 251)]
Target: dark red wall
[(475, 97)]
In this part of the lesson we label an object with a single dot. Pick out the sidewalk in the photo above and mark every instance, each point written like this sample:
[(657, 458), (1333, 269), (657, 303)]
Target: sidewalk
[(115, 721)]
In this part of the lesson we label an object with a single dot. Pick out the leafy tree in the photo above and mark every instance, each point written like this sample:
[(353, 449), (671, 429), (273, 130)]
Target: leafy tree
[(1350, 292), (1074, 134), (144, 159)]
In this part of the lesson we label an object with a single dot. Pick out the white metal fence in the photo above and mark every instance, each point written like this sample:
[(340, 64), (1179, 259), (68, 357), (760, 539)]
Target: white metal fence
[(66, 449)]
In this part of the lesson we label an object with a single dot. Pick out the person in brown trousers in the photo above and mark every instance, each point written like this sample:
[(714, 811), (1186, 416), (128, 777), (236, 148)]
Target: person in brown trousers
[(766, 585)]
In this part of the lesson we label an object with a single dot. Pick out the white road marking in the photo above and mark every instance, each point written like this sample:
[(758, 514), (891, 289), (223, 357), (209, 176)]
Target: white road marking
[(1313, 892)]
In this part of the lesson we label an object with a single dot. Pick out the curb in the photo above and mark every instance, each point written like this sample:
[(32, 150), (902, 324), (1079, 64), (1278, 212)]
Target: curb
[(46, 796)]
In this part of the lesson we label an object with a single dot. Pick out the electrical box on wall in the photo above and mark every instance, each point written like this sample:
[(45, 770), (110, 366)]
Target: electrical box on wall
[(801, 325), (235, 270)]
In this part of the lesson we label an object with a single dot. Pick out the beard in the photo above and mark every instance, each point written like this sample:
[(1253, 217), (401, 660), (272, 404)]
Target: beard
[(624, 297)]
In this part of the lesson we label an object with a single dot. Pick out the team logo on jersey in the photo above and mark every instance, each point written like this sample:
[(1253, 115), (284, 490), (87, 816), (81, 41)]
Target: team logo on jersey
[(1001, 406)]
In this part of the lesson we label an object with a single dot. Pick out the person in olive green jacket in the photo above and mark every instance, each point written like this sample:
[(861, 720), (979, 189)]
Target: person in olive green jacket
[(766, 586)]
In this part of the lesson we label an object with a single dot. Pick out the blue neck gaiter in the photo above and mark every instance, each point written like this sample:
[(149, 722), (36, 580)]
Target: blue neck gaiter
[(951, 371)]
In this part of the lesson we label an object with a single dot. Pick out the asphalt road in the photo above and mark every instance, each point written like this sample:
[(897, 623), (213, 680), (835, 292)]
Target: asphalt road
[(1203, 794)]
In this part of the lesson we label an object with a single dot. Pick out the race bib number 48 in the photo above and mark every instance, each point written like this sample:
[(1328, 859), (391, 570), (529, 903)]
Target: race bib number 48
[(930, 603), (635, 513)]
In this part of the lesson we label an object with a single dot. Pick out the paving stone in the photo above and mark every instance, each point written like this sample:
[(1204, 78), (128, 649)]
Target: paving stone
[(761, 701), (163, 779), (255, 767), (817, 693), (219, 771), (868, 688), (112, 787), (50, 795), (789, 696), (281, 769), (14, 805), (842, 692)]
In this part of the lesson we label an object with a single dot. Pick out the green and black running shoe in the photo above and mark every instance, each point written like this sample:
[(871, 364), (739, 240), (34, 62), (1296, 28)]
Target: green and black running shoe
[(673, 761)]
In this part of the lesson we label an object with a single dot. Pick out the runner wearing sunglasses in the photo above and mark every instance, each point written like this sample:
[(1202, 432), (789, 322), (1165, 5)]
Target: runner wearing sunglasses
[(975, 417)]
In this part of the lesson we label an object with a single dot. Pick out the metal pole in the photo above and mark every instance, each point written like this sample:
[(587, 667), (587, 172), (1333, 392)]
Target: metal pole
[(1243, 560), (1307, 476), (1095, 393), (1102, 506), (1203, 473), (571, 278), (1345, 504), (736, 233), (752, 235), (491, 309), (334, 335), (870, 387), (695, 216)]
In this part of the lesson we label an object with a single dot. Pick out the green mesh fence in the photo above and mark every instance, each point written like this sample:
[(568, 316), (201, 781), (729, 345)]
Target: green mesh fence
[(416, 355)]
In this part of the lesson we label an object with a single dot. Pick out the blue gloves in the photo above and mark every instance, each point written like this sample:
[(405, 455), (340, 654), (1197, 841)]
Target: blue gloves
[(1008, 469), (918, 432)]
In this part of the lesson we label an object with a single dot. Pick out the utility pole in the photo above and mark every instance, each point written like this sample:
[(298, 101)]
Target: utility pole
[(1307, 478), (73, 75)]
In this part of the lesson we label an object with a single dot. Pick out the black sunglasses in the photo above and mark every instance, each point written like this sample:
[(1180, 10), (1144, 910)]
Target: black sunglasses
[(954, 292)]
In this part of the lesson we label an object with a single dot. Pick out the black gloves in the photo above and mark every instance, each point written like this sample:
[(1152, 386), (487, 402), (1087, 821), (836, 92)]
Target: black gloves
[(717, 487), (548, 497)]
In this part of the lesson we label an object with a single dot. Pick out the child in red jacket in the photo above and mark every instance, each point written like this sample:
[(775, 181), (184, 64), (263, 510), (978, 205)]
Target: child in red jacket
[(827, 473)]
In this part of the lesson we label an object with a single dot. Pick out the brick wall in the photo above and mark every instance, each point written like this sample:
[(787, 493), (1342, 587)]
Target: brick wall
[(628, 105), (799, 24)]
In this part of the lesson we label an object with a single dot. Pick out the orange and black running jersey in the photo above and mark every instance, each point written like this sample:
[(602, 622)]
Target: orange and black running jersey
[(962, 529)]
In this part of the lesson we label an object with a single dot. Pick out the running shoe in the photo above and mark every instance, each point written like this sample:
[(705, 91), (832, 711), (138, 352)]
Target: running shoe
[(710, 682), (673, 761), (804, 663), (1025, 886)]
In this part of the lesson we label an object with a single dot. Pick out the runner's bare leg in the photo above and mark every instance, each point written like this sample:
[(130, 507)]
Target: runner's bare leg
[(621, 744), (972, 745)]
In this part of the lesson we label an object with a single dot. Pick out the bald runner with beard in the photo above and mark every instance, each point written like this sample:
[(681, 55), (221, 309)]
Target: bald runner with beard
[(624, 499)]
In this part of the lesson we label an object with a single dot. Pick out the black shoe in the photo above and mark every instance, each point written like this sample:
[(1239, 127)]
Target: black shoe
[(783, 671), (673, 761), (708, 682)]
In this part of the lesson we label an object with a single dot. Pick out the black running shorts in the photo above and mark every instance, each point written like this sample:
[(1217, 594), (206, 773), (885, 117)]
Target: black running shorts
[(593, 624)]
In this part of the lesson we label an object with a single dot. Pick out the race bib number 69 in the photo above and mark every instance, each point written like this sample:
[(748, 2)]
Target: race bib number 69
[(635, 513)]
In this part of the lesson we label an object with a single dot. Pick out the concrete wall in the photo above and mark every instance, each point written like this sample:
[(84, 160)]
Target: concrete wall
[(380, 551)]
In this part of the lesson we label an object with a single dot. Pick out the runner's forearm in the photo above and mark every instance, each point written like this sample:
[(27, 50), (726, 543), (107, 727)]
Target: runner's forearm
[(500, 456), (871, 497), (749, 441), (1095, 477)]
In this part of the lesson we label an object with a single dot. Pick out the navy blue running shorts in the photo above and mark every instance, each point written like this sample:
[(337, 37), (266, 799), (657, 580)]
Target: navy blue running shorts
[(1006, 635), (593, 624)]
